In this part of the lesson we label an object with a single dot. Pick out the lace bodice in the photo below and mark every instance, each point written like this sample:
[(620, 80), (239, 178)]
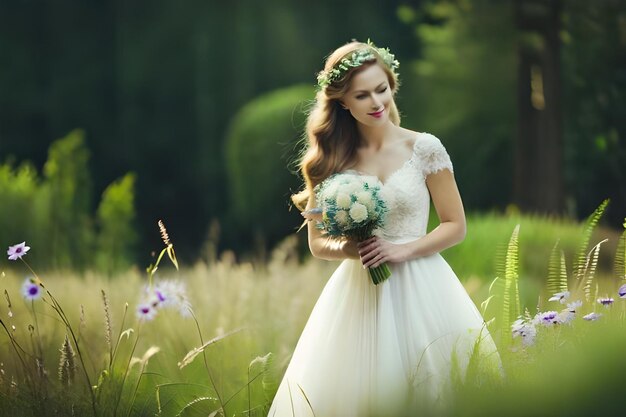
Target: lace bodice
[(405, 190)]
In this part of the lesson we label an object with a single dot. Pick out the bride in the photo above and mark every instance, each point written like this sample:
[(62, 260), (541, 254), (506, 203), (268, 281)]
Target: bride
[(387, 349)]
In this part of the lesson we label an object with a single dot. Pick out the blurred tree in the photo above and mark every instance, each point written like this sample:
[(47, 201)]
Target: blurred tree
[(461, 90), (116, 233), (68, 182), (594, 79), (538, 183)]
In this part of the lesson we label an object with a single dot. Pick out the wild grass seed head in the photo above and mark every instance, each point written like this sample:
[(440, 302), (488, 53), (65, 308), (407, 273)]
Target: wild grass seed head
[(67, 364), (108, 326), (164, 236)]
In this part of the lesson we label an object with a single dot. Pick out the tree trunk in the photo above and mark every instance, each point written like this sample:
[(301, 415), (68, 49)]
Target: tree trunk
[(538, 182)]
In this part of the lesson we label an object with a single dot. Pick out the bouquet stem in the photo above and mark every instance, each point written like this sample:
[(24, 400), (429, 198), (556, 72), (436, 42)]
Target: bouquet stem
[(380, 273)]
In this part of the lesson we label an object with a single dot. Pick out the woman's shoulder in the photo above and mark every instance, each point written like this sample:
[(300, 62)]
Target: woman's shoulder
[(419, 141), (408, 138)]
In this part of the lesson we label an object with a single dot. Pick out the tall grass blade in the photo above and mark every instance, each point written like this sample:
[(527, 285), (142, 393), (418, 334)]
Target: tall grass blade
[(307, 399), (195, 402), (191, 355)]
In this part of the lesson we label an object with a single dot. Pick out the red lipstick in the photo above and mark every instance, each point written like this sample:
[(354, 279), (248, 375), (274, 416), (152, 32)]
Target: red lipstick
[(378, 114)]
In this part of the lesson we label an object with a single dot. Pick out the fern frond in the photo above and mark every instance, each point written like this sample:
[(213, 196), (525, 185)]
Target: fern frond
[(581, 258), (262, 366), (557, 274), (563, 273), (590, 271), (270, 378), (510, 299), (619, 266)]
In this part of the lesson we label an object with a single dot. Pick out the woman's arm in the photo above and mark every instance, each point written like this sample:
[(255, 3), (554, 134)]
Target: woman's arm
[(451, 230), (326, 247)]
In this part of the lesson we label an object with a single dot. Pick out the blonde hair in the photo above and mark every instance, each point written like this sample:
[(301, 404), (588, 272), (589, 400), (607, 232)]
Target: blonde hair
[(331, 131)]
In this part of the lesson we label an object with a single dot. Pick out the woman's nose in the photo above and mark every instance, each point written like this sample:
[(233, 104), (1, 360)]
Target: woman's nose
[(375, 102)]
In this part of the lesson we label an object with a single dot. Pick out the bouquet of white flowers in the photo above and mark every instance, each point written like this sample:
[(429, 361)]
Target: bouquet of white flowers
[(351, 207)]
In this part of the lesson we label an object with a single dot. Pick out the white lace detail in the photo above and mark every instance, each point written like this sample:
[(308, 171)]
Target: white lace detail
[(432, 154), (406, 193)]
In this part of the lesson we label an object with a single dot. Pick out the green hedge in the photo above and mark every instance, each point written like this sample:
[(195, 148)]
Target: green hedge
[(262, 145)]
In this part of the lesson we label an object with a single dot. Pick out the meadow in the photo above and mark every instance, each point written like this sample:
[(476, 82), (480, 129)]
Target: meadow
[(221, 337)]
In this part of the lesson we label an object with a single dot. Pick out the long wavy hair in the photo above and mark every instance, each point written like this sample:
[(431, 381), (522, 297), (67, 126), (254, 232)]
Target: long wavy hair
[(332, 138)]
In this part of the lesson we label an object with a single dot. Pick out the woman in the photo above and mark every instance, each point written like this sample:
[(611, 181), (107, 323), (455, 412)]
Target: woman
[(389, 348)]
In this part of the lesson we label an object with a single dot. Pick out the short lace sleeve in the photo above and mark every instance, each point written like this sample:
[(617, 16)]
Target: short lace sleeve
[(431, 154)]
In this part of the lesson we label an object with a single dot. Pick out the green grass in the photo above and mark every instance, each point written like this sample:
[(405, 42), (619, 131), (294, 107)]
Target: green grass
[(267, 305)]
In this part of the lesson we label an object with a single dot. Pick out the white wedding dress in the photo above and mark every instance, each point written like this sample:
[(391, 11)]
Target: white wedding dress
[(382, 350)]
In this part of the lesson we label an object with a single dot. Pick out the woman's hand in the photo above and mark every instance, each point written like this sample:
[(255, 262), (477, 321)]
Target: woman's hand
[(375, 251)]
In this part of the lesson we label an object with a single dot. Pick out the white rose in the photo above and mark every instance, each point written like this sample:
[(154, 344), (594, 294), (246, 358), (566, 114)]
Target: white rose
[(331, 189), (358, 212), (364, 197), (343, 200), (341, 217), (355, 187)]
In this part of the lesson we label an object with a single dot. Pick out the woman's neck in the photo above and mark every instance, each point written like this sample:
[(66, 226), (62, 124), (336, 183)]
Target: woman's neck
[(375, 136)]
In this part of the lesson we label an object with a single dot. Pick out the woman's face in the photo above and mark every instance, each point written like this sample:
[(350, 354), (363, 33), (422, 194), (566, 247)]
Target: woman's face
[(369, 97)]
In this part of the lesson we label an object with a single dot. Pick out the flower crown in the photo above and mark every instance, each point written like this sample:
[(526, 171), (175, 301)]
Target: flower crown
[(356, 59)]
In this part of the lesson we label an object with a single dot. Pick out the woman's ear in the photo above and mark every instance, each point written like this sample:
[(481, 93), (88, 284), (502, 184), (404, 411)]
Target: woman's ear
[(343, 106)]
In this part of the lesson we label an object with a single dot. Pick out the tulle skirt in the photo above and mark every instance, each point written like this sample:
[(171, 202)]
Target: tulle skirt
[(382, 350)]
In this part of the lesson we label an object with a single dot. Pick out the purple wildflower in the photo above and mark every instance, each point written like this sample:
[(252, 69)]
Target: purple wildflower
[(592, 316), (31, 291), (622, 291), (566, 316), (606, 301), (526, 331), (547, 318), (146, 311), (16, 252), (573, 306), (560, 297), (173, 294)]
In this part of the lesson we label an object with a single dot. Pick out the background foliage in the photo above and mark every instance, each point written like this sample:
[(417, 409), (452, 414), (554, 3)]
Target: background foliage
[(161, 89)]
